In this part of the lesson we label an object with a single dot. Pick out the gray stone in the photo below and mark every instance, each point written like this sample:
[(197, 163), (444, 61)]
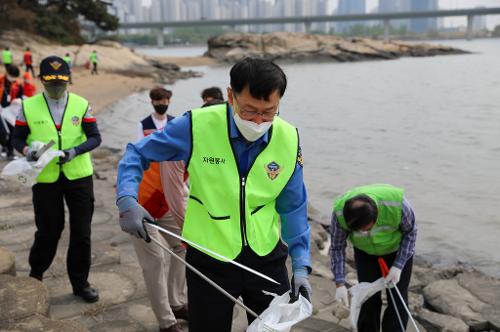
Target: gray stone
[(38, 323), (448, 297), (7, 262), (318, 325), (485, 288), (436, 322), (492, 315), (114, 288), (21, 297)]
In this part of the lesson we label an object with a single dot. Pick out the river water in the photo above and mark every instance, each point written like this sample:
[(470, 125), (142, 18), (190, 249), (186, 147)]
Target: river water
[(430, 125)]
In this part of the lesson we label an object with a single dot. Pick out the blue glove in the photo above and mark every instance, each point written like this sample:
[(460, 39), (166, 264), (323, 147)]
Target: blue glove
[(132, 216), (300, 284)]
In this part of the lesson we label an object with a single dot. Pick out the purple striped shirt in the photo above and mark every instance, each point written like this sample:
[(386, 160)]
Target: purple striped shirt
[(339, 242)]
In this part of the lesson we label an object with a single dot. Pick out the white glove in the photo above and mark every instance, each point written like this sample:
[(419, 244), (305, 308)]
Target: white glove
[(341, 295), (393, 277)]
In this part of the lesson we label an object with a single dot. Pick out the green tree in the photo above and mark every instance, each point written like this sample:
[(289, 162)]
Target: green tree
[(56, 19)]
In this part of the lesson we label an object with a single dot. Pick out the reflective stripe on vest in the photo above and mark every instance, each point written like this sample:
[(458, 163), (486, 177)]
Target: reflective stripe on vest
[(43, 129), (385, 236), (226, 209)]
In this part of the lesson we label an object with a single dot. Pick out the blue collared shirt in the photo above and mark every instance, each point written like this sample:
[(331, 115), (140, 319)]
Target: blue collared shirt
[(174, 143)]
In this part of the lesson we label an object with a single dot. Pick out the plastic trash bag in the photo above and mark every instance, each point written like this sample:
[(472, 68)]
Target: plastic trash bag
[(360, 293), (281, 315), (9, 113), (23, 173)]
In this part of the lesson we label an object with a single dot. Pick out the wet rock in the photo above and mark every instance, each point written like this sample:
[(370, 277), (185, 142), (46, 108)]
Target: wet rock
[(233, 47), (448, 297), (38, 323), (21, 297), (436, 322), (7, 262)]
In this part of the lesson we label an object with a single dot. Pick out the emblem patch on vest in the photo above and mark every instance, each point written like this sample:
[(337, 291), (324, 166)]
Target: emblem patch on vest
[(75, 121), (273, 170)]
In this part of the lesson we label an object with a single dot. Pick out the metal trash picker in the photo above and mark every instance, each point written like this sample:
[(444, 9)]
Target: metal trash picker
[(385, 271)]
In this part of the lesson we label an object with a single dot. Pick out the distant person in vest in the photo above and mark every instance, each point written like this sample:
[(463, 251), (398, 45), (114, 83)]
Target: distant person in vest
[(162, 193), (28, 61), (212, 96), (11, 88), (247, 194), (7, 57), (67, 119), (93, 61), (379, 222)]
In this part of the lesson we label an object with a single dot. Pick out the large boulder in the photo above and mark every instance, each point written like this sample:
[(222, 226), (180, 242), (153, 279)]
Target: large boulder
[(7, 262), (21, 297), (448, 297), (436, 322)]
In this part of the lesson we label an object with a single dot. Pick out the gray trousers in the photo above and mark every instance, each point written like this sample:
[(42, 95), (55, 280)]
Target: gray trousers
[(165, 277)]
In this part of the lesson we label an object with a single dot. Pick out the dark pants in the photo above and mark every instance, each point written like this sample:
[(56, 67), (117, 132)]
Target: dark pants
[(48, 201), (30, 67), (210, 310), (6, 136), (94, 68), (369, 317)]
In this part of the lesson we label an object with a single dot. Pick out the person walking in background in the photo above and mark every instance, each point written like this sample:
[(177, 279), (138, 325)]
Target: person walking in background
[(380, 223), (93, 62), (67, 59), (29, 86), (67, 119), (7, 57), (10, 89), (212, 96), (28, 61), (162, 192), (247, 195)]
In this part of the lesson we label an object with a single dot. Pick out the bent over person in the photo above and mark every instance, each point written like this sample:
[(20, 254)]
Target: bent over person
[(247, 194), (380, 223), (67, 119)]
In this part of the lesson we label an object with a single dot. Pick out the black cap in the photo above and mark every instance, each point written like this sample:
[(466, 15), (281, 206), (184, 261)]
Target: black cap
[(54, 68)]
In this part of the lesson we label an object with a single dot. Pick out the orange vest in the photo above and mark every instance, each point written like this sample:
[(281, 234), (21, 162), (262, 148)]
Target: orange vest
[(151, 195)]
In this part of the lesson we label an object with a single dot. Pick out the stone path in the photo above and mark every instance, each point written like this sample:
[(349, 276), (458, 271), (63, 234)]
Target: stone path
[(461, 300)]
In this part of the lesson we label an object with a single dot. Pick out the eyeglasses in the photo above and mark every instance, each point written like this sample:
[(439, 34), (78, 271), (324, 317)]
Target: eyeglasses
[(248, 115)]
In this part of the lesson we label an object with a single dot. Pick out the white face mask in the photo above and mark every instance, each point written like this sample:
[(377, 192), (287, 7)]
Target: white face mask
[(251, 130)]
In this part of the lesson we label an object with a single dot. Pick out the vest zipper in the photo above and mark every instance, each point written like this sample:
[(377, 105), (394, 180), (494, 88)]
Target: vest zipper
[(59, 144), (242, 212)]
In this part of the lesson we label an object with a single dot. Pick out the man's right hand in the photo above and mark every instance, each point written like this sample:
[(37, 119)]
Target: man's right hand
[(31, 154), (132, 216), (341, 295)]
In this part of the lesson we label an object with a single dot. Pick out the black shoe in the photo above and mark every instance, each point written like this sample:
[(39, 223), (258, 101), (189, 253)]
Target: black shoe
[(36, 276), (88, 294)]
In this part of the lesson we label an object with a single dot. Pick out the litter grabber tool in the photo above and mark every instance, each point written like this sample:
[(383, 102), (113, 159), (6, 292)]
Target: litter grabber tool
[(44, 148), (385, 271), (204, 277), (197, 246)]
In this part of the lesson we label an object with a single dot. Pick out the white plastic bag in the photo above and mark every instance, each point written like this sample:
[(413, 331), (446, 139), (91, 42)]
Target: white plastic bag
[(280, 316), (9, 113), (360, 293), (21, 172)]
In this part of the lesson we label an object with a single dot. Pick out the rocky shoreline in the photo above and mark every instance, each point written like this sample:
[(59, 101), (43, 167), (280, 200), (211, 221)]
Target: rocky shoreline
[(288, 46), (456, 298), (451, 299)]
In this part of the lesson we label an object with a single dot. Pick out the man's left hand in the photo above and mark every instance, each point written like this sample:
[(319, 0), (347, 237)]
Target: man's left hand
[(300, 285), (68, 156), (393, 277)]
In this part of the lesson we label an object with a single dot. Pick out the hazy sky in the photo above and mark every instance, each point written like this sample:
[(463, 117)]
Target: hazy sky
[(491, 20)]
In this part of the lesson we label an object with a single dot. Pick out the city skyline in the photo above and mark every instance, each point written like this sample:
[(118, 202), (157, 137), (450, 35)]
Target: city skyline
[(171, 10)]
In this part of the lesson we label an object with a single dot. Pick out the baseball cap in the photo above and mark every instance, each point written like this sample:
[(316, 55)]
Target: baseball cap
[(54, 68)]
